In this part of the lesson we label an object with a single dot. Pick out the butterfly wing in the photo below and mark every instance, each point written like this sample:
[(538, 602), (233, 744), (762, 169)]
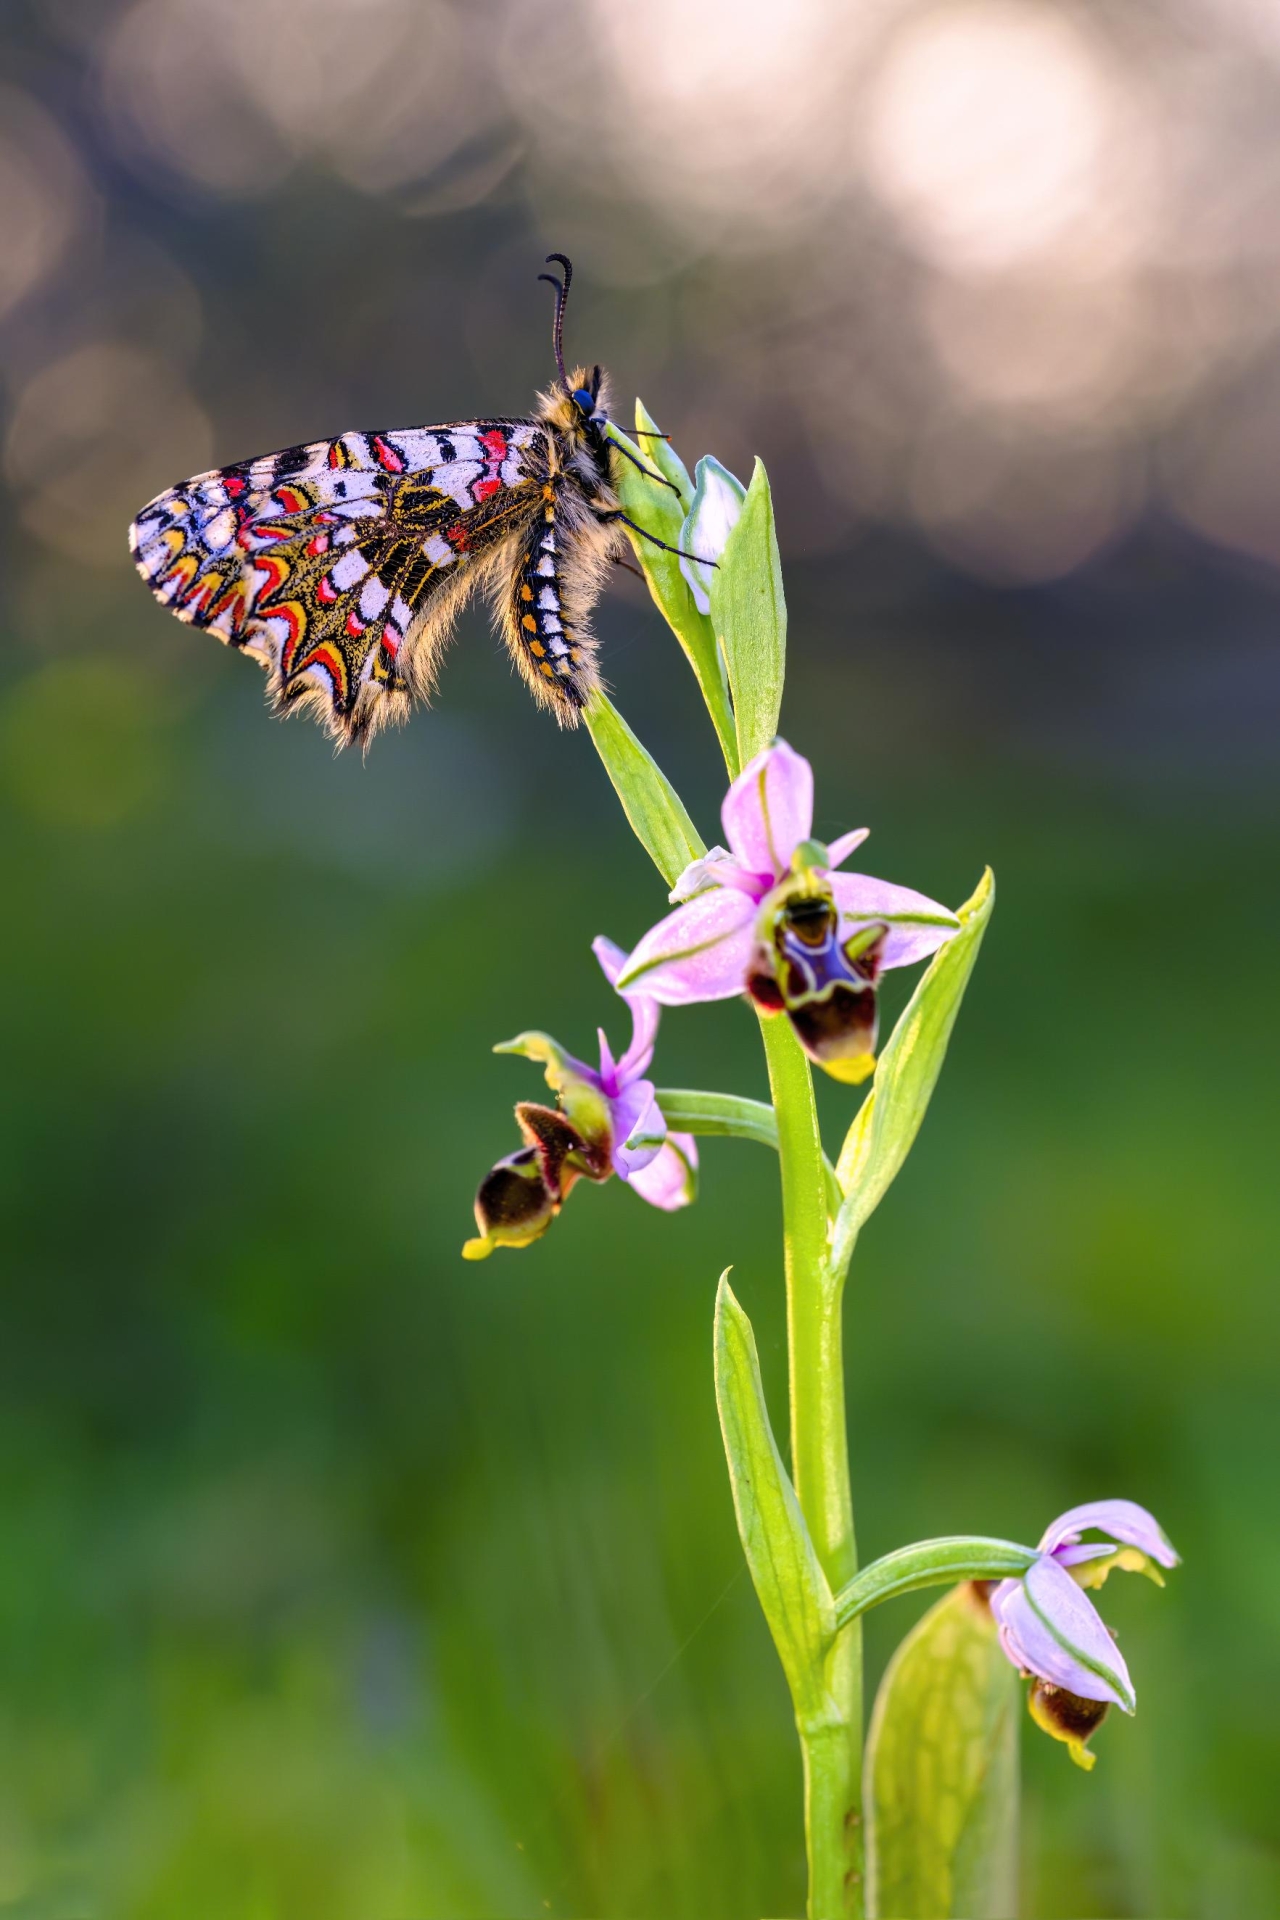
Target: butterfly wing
[(339, 565)]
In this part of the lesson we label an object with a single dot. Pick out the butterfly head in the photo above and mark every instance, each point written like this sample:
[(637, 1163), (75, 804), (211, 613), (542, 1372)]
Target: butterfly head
[(588, 400)]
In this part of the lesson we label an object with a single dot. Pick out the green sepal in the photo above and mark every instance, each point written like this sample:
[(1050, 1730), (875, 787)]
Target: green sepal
[(749, 615), (907, 1071), (661, 511), (541, 1047), (580, 1102), (652, 805), (790, 1584), (730, 1115), (941, 1775), (931, 1563)]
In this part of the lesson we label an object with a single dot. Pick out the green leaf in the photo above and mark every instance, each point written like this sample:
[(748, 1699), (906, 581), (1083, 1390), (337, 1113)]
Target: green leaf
[(941, 1773), (906, 1073), (730, 1115), (650, 802), (661, 512), (749, 615), (719, 1113), (931, 1563), (791, 1586), (661, 454)]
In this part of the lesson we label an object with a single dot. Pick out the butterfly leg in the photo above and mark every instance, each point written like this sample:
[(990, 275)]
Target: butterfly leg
[(616, 515), (648, 472)]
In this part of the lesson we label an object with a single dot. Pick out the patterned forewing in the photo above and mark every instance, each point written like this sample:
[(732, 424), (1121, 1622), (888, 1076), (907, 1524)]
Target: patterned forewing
[(324, 562)]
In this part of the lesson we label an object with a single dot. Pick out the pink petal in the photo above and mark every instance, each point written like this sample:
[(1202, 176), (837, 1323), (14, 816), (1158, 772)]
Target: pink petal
[(918, 926), (645, 1015), (611, 957), (768, 810), (839, 849), (699, 952), (669, 1181), (636, 1115), (1059, 1635), (1124, 1520)]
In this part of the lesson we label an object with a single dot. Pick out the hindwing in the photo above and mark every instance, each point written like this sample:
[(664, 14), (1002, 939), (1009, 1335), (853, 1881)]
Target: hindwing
[(339, 565)]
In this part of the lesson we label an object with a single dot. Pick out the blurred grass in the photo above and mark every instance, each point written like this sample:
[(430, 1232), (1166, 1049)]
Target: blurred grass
[(341, 1578)]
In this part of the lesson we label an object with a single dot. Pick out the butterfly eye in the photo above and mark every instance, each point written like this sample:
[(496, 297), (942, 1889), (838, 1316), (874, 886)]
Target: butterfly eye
[(584, 401)]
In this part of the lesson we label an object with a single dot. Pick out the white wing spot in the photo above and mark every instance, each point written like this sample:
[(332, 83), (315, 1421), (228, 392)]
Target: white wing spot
[(373, 598), (348, 569)]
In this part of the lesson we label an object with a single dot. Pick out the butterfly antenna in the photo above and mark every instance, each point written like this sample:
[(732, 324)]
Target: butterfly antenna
[(562, 296)]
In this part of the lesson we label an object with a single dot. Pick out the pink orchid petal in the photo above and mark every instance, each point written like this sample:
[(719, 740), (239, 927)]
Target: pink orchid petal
[(611, 957), (769, 809), (700, 874), (839, 849), (699, 952), (636, 1112), (861, 899), (645, 1015), (667, 1180), (1049, 1627), (718, 869), (1124, 1520), (1080, 1556)]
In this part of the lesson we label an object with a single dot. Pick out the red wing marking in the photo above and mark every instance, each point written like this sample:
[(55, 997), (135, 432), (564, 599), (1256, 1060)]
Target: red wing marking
[(329, 661), (276, 569)]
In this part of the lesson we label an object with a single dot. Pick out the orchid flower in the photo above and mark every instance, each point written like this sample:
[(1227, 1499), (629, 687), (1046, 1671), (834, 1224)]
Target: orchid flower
[(771, 917), (1049, 1630), (607, 1121)]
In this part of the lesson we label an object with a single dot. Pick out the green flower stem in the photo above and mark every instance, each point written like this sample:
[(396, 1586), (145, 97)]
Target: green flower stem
[(931, 1563), (831, 1742)]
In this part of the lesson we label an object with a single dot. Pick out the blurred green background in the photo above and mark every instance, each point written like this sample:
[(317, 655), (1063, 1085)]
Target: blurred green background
[(338, 1578)]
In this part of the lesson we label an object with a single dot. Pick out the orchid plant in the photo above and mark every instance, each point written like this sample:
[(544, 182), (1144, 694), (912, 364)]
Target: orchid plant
[(918, 1817)]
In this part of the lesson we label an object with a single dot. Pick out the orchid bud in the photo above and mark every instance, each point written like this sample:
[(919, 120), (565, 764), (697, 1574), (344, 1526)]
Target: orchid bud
[(717, 504)]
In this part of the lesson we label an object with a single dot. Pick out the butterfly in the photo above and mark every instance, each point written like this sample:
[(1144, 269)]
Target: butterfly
[(341, 566)]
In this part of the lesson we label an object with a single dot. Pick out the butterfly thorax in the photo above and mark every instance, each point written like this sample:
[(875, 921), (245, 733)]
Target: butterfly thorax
[(577, 423)]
